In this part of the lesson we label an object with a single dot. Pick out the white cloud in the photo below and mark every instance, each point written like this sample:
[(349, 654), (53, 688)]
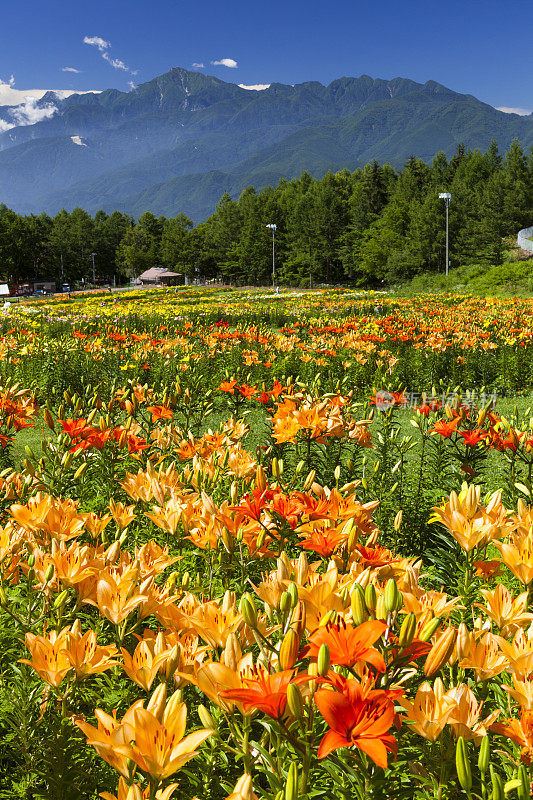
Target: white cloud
[(9, 96), (131, 85), (29, 113), (98, 42), (70, 69), (225, 62), (522, 112), (198, 64), (256, 87), (115, 62), (23, 104), (103, 46), (78, 140)]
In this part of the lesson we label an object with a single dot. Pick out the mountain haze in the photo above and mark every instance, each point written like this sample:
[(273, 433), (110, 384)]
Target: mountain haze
[(177, 142)]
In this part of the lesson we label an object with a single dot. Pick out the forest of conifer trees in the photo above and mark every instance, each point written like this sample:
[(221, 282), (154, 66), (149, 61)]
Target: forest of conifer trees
[(372, 226)]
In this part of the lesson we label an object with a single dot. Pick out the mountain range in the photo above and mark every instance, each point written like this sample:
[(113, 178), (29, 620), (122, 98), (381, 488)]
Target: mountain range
[(179, 141)]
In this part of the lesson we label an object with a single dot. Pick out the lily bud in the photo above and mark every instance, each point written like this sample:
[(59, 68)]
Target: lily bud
[(524, 790), (398, 521), (156, 704), (441, 651), (173, 703), (48, 418), (49, 572), (172, 662), (429, 629), (260, 479), (323, 661), (291, 787), (288, 651), (483, 760), (464, 639), (205, 717), (275, 468), (381, 608), (371, 597), (498, 792), (298, 618), (295, 701), (80, 472), (302, 568), (309, 480), (407, 631), (232, 652), (285, 603), (60, 599), (292, 591), (227, 540), (248, 610), (464, 772), (234, 493), (358, 606), (391, 596)]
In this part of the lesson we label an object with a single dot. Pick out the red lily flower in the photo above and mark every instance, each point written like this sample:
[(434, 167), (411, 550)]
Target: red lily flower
[(357, 720), (264, 691)]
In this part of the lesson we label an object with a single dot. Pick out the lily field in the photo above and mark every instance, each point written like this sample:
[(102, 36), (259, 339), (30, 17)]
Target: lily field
[(266, 547)]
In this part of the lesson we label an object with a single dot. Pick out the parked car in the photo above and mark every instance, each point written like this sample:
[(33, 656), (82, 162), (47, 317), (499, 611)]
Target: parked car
[(66, 287)]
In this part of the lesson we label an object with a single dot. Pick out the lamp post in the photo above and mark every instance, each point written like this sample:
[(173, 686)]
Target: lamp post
[(273, 228), (446, 196), (94, 274)]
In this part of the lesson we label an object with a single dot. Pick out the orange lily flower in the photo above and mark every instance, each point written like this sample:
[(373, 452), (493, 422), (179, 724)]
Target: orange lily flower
[(122, 514), (522, 692), (134, 792), (508, 614), (160, 412), (348, 645), (519, 652), (243, 789), (111, 739), (517, 555), (485, 657), (143, 665), (465, 717), (519, 731), (117, 596), (86, 656), (430, 709), (49, 656), (159, 748)]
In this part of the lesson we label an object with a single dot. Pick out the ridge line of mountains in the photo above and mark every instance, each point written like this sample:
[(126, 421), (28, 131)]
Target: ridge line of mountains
[(178, 142)]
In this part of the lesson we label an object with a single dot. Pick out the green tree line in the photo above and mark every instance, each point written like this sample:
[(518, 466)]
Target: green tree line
[(373, 225)]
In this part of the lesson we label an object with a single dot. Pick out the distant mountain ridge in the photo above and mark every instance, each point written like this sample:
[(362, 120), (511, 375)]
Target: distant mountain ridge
[(177, 142)]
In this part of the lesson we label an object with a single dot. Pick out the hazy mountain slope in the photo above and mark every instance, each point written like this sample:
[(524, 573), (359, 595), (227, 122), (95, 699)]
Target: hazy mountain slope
[(177, 142)]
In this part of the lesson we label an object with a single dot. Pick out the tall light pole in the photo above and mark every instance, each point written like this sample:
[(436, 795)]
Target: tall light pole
[(446, 196), (273, 228), (94, 274)]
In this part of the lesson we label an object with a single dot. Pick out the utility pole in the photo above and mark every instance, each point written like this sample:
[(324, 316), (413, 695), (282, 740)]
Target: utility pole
[(446, 196), (273, 228)]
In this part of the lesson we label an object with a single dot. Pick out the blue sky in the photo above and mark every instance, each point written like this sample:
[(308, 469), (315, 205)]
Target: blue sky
[(482, 48)]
